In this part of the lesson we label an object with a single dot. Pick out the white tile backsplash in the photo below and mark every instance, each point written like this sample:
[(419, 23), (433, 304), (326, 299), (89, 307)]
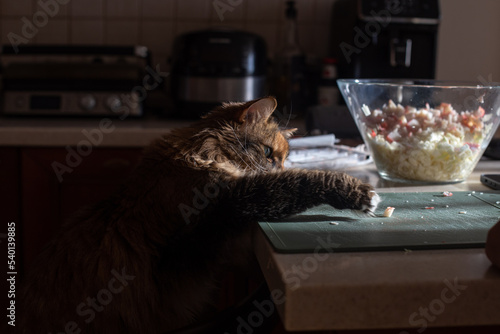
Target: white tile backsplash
[(194, 9), (87, 31), (54, 9), (188, 26), (265, 10), (56, 32), (228, 11), (323, 11), (305, 10), (158, 9), (86, 8), (157, 36), (17, 7), (121, 32), (122, 8), (13, 28), (155, 23), (264, 29)]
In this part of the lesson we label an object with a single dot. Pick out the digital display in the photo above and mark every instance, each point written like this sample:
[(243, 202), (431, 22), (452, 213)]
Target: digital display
[(45, 102)]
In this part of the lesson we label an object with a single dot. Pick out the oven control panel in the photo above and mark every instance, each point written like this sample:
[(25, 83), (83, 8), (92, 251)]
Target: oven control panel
[(67, 103)]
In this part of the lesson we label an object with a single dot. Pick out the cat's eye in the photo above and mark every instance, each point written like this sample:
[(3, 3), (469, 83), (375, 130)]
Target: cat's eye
[(268, 151)]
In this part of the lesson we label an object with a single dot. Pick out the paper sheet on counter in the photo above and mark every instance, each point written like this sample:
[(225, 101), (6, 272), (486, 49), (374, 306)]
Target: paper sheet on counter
[(320, 152)]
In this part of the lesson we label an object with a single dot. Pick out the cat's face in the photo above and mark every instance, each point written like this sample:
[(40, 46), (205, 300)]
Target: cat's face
[(250, 137)]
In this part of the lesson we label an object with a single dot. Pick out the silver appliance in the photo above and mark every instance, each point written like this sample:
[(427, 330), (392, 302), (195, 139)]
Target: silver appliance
[(216, 65), (56, 80)]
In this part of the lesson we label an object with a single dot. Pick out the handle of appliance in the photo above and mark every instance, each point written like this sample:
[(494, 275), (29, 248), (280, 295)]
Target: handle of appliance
[(400, 52), (47, 49)]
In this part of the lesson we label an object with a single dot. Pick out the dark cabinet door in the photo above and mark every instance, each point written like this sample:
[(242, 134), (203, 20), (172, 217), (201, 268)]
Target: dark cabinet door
[(56, 183), (10, 226)]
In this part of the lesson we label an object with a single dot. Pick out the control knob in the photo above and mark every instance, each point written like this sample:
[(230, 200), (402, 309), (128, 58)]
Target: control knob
[(88, 102), (113, 102)]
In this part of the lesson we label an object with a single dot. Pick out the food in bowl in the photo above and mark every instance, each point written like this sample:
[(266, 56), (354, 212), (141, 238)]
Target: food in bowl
[(426, 144), (424, 131)]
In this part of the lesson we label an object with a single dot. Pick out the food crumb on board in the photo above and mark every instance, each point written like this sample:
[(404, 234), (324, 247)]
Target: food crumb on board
[(388, 211), (497, 202), (447, 193), (334, 223), (463, 212), (408, 250)]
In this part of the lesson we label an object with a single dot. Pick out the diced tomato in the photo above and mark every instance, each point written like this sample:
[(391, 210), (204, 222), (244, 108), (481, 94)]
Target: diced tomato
[(471, 122), (473, 146), (479, 112), (446, 109)]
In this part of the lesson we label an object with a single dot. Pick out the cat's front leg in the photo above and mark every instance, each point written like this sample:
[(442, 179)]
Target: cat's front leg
[(276, 195)]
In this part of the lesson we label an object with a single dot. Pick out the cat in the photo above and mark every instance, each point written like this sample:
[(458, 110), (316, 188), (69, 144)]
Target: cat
[(148, 259)]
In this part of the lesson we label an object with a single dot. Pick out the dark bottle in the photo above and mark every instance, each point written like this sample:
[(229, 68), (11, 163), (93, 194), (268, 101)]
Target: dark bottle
[(290, 67)]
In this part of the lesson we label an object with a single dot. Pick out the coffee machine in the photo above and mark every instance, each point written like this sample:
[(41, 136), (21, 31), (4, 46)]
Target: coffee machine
[(385, 38), (377, 39)]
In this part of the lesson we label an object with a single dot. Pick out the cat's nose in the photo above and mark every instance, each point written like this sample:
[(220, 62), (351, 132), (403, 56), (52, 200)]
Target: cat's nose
[(277, 164)]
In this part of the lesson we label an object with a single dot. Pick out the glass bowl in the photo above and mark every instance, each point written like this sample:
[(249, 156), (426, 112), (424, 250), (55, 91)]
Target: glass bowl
[(423, 131)]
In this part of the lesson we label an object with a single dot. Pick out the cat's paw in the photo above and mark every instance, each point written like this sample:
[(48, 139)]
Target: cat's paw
[(374, 201)]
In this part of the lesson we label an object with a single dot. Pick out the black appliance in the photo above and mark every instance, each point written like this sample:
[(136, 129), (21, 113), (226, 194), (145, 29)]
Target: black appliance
[(217, 65), (385, 38)]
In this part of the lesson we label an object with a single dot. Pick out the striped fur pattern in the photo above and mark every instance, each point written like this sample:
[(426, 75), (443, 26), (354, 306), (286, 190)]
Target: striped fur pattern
[(149, 258)]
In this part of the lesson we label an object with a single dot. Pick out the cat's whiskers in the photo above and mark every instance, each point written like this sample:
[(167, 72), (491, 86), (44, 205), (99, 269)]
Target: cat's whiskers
[(253, 163), (256, 163), (289, 115), (251, 158), (243, 160)]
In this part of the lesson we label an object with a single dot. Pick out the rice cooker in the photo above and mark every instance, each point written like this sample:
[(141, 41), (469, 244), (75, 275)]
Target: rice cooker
[(217, 65)]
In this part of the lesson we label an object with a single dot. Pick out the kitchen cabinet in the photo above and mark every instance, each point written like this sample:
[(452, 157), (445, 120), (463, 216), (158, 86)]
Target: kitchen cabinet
[(10, 212), (38, 198), (42, 187), (55, 183)]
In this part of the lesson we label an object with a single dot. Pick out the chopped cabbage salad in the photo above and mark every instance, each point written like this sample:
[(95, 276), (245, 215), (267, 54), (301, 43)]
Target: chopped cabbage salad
[(425, 144)]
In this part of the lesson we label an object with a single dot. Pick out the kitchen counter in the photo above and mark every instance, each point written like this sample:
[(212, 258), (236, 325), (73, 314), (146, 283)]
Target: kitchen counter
[(107, 132), (386, 289), (115, 132)]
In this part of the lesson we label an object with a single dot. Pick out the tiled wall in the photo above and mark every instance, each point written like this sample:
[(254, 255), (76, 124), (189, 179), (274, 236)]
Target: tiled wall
[(155, 23)]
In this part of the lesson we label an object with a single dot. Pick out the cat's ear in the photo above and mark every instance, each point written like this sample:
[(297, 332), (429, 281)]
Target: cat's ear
[(288, 133), (259, 111)]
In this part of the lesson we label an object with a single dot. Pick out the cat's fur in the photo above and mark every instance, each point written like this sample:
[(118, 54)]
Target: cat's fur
[(147, 259)]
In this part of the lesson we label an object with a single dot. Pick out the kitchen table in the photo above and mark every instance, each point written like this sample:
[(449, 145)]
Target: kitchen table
[(385, 289)]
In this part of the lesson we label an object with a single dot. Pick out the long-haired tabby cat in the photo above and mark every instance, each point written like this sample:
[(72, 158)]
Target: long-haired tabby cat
[(147, 260)]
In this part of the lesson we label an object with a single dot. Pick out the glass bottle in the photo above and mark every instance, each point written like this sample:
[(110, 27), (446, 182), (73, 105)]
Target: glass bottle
[(290, 66)]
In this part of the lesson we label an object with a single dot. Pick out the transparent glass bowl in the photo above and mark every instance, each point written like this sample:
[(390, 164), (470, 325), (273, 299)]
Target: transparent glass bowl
[(423, 131)]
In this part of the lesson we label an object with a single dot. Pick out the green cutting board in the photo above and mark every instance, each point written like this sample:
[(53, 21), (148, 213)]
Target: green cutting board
[(425, 220)]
